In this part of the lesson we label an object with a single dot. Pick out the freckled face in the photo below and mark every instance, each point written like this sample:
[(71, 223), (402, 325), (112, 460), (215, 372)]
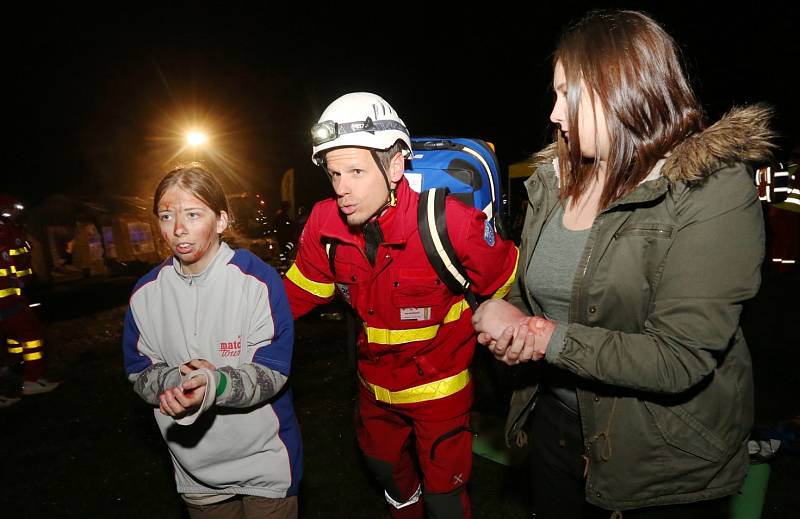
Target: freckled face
[(190, 228)]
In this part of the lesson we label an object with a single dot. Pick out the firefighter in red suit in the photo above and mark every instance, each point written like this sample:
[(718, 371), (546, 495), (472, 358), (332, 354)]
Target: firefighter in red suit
[(417, 341), (19, 326)]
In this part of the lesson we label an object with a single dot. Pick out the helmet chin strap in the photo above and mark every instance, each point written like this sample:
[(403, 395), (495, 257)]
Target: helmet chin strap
[(391, 201), (373, 234)]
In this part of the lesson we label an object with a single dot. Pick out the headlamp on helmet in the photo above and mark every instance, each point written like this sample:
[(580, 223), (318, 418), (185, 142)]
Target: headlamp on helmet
[(323, 132), (327, 131)]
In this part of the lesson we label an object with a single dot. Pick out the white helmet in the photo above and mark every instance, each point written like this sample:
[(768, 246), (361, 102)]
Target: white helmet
[(359, 119)]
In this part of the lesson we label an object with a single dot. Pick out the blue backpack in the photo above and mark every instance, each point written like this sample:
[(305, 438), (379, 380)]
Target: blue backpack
[(468, 170)]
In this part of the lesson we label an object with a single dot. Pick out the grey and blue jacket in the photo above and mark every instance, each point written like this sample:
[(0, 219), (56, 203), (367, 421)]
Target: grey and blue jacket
[(236, 316)]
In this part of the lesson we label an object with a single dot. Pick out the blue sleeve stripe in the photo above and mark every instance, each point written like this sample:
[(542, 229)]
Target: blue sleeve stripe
[(278, 354), (289, 434), (151, 276), (134, 361)]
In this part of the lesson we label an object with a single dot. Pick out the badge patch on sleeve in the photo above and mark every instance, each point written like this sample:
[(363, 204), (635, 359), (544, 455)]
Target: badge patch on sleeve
[(488, 233), (415, 314)]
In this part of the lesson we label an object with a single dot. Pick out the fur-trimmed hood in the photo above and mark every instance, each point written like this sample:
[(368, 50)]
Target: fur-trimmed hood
[(741, 135)]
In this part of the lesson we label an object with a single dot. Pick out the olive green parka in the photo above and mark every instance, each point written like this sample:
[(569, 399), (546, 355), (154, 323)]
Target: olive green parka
[(654, 320)]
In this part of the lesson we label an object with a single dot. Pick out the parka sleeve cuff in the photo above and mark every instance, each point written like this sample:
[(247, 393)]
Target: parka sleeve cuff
[(557, 341)]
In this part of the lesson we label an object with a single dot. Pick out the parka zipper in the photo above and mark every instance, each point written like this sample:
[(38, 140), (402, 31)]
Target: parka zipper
[(196, 303), (196, 307)]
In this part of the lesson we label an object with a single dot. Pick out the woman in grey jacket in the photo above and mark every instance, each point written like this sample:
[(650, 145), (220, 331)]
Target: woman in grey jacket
[(643, 237)]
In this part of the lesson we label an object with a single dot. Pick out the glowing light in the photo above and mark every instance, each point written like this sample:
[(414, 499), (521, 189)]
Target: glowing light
[(193, 133), (196, 138)]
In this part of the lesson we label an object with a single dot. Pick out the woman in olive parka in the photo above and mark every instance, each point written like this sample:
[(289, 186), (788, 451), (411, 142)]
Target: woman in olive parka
[(643, 237)]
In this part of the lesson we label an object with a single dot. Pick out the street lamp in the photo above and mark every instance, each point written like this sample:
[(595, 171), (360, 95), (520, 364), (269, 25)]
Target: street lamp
[(195, 138)]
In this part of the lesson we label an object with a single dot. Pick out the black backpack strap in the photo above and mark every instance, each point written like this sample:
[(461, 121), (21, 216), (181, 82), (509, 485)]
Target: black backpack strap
[(330, 249), (432, 223)]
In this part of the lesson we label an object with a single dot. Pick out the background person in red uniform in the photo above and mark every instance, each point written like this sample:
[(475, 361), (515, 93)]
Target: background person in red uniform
[(417, 342), (19, 326)]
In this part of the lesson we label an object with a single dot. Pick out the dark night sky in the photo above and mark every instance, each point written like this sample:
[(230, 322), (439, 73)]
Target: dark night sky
[(99, 95)]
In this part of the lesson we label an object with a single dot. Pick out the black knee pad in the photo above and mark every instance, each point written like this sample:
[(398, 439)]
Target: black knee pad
[(383, 473), (445, 506)]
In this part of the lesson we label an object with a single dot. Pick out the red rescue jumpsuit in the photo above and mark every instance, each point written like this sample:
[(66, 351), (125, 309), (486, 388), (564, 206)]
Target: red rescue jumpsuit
[(18, 324), (416, 344)]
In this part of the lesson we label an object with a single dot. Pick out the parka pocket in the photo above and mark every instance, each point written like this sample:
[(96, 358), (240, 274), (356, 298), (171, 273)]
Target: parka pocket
[(683, 431), (655, 230), (418, 297)]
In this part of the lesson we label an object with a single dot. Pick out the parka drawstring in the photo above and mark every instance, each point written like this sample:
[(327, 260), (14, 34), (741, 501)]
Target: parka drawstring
[(521, 439), (607, 451)]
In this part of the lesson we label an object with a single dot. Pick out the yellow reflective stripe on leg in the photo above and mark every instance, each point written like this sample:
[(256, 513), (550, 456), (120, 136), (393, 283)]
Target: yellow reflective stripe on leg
[(393, 337), (23, 273), (10, 292), (32, 356), (15, 349), (32, 344), (4, 272), (17, 252), (506, 288), (12, 341), (318, 289), (422, 393)]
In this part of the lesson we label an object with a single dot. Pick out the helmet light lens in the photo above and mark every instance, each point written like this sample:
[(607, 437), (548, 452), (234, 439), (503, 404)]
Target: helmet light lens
[(323, 132)]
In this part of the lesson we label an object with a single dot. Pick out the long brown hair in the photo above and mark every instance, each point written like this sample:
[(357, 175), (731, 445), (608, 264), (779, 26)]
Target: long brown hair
[(631, 65)]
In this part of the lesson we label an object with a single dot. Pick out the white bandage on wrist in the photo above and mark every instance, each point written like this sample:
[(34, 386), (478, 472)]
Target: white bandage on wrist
[(208, 397)]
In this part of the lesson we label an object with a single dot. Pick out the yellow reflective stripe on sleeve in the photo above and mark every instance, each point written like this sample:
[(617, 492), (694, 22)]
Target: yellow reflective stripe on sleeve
[(32, 344), (32, 356), (393, 337), (506, 288), (12, 341), (455, 312), (4, 272), (313, 287), (422, 393), (23, 273), (17, 349), (10, 292), (17, 252)]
